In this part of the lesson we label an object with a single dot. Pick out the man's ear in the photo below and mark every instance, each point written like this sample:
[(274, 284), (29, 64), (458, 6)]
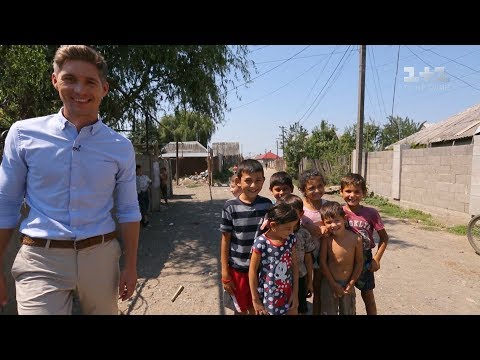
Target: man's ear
[(54, 80)]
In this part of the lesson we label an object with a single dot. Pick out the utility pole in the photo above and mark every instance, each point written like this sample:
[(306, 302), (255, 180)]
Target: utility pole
[(283, 138), (277, 148), (361, 101)]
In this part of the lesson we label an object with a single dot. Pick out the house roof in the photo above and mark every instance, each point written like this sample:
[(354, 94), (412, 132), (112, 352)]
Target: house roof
[(185, 149), (458, 126), (267, 156)]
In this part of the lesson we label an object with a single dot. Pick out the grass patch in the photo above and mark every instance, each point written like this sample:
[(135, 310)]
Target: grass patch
[(458, 230), (428, 222), (192, 186), (430, 228), (394, 210)]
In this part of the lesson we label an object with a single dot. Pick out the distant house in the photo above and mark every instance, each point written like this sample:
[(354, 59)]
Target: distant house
[(192, 157), (268, 159), (456, 130), (225, 155)]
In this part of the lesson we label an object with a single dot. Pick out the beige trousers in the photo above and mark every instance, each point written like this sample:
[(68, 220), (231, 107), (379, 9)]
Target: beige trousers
[(46, 279)]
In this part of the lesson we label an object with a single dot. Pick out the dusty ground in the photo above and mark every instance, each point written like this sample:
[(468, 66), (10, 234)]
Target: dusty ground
[(422, 272)]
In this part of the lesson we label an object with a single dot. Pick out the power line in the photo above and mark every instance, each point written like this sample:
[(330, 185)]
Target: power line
[(317, 79), (456, 77), (394, 88), (336, 76), (395, 81), (451, 60), (299, 57), (378, 81), (281, 87), (320, 92), (260, 48), (266, 72)]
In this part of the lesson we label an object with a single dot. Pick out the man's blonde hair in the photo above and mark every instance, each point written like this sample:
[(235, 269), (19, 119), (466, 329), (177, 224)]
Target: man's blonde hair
[(80, 52)]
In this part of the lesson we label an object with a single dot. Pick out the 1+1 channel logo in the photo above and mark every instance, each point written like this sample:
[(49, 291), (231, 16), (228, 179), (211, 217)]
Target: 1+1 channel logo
[(426, 79)]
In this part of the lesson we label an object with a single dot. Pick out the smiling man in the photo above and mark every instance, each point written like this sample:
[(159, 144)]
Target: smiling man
[(71, 169)]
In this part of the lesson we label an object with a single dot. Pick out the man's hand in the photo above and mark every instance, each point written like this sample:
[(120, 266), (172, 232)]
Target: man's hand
[(128, 282)]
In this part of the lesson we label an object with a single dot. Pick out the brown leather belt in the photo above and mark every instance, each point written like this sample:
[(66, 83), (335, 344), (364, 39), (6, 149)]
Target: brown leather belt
[(69, 244)]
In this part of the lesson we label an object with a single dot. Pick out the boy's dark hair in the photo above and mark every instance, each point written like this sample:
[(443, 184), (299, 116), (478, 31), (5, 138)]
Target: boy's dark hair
[(280, 178), (282, 213), (138, 167), (249, 166), (331, 209), (355, 180), (294, 200), (307, 175)]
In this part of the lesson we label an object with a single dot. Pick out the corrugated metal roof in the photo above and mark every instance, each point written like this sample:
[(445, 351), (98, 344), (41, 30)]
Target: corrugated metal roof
[(185, 146), (458, 126), (183, 154), (185, 149)]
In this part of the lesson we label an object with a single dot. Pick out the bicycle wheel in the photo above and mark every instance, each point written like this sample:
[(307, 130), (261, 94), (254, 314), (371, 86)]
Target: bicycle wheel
[(473, 233)]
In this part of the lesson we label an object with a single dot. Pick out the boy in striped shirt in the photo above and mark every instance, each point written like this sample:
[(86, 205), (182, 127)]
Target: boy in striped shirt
[(241, 220)]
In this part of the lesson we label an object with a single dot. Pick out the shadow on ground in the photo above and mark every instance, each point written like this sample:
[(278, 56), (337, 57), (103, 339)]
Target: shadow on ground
[(186, 236)]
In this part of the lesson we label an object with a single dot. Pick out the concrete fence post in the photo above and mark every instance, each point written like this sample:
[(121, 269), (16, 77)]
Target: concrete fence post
[(364, 164), (354, 161), (474, 203), (397, 169)]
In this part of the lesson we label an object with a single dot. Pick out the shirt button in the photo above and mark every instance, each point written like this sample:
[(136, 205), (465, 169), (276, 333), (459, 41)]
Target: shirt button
[(74, 187), (73, 209)]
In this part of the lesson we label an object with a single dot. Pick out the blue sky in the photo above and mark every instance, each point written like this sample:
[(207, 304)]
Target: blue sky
[(310, 83)]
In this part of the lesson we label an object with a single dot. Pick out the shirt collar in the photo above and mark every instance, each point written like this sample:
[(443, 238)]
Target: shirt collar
[(94, 128)]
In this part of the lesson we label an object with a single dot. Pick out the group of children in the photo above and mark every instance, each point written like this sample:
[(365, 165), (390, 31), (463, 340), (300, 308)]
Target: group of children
[(275, 255)]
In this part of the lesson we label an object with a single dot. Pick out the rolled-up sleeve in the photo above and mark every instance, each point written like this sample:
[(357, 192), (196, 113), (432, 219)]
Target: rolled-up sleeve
[(13, 172), (126, 199)]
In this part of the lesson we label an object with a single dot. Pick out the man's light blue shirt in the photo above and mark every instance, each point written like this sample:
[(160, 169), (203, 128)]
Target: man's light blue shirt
[(71, 180)]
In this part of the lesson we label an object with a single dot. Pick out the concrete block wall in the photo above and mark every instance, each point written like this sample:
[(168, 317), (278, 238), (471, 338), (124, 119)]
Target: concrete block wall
[(437, 177), (379, 172), (443, 181)]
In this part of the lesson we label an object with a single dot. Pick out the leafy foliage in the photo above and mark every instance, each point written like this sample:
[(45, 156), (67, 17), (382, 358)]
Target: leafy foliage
[(186, 126), (331, 152), (25, 87), (294, 147), (146, 82), (396, 129)]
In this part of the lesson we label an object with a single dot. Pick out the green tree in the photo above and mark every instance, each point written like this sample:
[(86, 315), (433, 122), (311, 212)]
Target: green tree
[(294, 147), (396, 129), (146, 81), (323, 142), (186, 126), (25, 87), (371, 134), (347, 140)]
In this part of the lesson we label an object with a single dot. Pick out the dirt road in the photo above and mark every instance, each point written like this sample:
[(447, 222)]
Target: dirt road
[(422, 272)]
